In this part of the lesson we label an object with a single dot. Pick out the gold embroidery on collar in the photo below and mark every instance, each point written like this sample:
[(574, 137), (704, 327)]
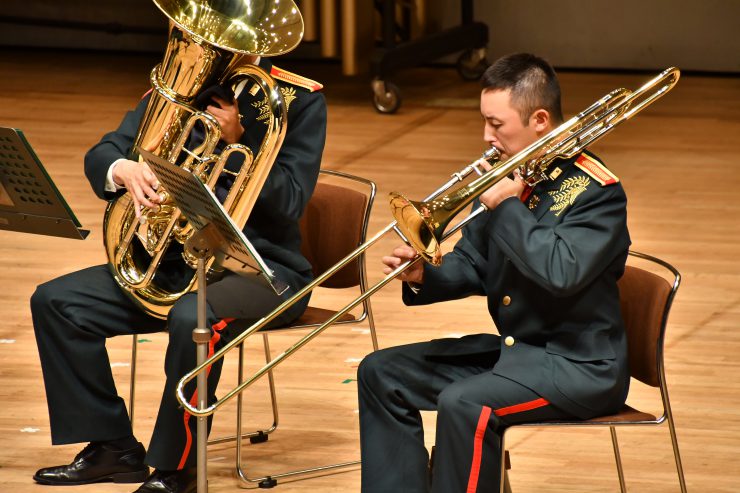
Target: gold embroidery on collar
[(288, 95), (569, 190), (264, 110)]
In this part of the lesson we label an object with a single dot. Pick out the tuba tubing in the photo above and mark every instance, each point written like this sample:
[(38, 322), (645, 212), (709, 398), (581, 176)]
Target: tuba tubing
[(566, 140)]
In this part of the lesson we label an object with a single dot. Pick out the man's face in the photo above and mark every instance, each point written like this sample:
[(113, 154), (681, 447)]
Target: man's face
[(503, 125)]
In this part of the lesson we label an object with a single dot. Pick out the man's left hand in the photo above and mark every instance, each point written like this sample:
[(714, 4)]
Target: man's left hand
[(502, 190)]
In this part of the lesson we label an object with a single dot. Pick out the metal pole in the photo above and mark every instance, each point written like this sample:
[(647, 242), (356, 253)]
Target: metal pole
[(201, 337)]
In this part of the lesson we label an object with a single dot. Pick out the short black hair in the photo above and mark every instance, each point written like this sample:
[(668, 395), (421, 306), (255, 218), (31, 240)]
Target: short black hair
[(532, 82)]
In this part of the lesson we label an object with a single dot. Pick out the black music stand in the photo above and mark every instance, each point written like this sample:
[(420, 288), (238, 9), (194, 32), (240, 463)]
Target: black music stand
[(215, 235), (29, 200)]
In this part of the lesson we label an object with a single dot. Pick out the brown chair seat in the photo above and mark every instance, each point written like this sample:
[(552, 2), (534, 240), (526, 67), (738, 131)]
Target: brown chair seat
[(317, 316), (626, 415)]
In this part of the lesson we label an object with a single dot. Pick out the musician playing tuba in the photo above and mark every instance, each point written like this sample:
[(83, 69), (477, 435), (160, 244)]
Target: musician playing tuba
[(548, 260), (75, 314)]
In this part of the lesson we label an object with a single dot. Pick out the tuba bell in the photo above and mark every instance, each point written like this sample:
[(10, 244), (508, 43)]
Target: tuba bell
[(207, 45)]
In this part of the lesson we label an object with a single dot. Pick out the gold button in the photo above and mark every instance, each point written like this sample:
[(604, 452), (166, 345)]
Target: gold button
[(509, 341), (506, 301)]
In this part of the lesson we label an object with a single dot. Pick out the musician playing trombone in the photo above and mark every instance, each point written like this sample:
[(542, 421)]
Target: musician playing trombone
[(548, 260), (74, 314)]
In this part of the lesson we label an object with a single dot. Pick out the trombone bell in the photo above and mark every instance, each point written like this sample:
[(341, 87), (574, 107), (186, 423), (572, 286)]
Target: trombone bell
[(423, 223), (419, 226)]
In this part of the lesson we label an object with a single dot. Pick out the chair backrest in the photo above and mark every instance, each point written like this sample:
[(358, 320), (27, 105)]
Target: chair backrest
[(646, 300), (332, 226)]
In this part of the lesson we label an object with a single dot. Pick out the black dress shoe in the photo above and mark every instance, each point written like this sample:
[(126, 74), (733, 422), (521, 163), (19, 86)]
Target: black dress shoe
[(182, 481), (97, 463)]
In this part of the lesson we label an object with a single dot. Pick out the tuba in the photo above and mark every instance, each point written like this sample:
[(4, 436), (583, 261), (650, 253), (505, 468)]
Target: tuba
[(207, 44)]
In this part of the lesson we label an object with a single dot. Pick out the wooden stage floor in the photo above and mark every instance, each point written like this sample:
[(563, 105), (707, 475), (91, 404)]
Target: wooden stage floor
[(679, 165)]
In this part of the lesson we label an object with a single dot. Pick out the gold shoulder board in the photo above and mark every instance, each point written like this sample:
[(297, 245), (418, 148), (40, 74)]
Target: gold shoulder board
[(295, 79), (596, 169)]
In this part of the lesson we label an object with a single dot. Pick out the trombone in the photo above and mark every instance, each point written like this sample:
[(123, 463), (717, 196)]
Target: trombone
[(424, 224)]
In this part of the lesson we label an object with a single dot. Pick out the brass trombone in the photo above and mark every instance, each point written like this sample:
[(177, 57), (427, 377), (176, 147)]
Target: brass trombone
[(424, 224)]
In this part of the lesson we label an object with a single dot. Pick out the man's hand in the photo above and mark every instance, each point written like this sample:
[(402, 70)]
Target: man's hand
[(401, 254), (502, 190), (227, 115), (139, 180)]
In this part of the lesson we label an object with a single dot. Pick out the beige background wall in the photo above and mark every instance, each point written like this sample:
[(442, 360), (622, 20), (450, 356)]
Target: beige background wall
[(629, 34)]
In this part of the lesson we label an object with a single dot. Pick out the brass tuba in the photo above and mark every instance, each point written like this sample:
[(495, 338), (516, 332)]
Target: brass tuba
[(207, 43)]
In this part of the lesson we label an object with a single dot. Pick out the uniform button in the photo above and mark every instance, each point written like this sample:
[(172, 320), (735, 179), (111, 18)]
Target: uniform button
[(509, 341), (506, 301)]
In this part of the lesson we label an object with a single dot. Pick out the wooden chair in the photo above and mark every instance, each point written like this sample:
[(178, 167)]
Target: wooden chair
[(334, 224), (646, 301)]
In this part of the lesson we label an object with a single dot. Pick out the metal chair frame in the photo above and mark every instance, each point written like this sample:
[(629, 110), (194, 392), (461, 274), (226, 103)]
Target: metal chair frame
[(260, 436), (667, 415)]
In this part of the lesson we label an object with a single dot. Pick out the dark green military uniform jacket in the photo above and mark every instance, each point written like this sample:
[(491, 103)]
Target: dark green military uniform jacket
[(273, 224), (549, 268)]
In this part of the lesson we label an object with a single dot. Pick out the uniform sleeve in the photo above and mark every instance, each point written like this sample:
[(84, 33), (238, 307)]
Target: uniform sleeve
[(113, 146), (293, 176), (566, 257), (461, 274)]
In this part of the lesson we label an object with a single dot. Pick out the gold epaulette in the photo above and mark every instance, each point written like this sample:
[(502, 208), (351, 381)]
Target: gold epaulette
[(295, 79), (596, 169)]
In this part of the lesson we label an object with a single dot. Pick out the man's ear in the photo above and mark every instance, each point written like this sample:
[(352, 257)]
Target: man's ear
[(540, 120)]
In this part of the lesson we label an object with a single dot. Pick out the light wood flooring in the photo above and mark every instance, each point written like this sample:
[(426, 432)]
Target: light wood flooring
[(679, 165)]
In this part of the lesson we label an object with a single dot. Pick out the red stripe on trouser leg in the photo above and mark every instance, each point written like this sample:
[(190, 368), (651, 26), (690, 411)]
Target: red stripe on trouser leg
[(480, 431), (217, 327), (524, 406)]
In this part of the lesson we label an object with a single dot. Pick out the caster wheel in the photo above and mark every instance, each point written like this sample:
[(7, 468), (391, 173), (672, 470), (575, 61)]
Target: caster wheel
[(471, 64), (386, 97), (261, 438)]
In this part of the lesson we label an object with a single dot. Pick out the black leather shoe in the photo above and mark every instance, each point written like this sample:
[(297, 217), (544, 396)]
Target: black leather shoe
[(183, 481), (98, 463)]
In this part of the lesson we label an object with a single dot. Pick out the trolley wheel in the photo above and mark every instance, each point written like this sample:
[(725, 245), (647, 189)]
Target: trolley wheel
[(472, 63), (386, 96), (268, 482), (261, 438)]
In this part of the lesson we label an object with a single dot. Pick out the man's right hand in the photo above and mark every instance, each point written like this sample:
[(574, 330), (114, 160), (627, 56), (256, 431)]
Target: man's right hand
[(139, 180), (401, 254)]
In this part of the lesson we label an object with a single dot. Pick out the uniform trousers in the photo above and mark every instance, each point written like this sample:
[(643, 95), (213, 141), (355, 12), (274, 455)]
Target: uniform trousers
[(74, 315), (473, 407)]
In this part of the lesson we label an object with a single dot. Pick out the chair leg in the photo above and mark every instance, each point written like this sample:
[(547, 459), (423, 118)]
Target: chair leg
[(618, 460), (371, 324), (132, 383), (504, 485), (676, 453), (271, 380), (257, 436), (271, 481)]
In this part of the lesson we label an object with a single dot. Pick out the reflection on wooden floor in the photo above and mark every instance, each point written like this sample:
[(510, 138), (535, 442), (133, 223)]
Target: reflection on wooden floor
[(678, 163)]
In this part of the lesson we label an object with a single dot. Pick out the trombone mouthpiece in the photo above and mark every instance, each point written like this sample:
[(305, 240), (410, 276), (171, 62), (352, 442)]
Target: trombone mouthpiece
[(491, 155)]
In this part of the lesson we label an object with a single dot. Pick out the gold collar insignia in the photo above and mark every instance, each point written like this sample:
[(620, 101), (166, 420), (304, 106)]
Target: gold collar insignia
[(288, 95), (569, 190)]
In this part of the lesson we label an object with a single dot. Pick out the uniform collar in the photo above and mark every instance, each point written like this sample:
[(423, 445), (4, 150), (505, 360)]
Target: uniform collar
[(265, 64)]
